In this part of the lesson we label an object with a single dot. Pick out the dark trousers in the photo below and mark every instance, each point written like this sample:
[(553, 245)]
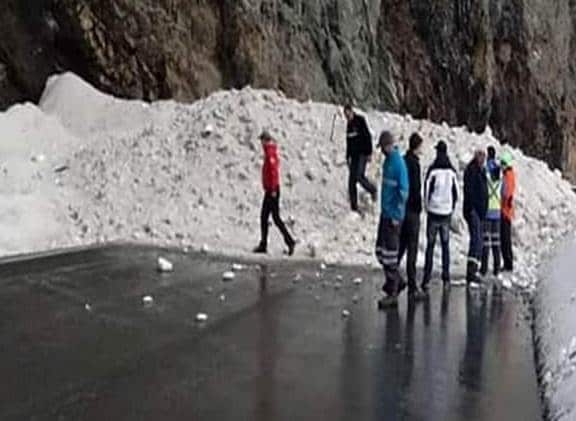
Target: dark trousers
[(506, 241), (475, 230), (387, 244), (409, 236), (357, 169), (271, 205), (437, 224), (491, 235)]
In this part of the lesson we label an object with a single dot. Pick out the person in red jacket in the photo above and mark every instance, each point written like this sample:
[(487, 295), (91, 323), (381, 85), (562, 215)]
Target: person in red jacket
[(271, 203)]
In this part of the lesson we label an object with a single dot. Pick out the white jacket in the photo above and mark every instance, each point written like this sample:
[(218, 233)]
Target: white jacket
[(440, 191)]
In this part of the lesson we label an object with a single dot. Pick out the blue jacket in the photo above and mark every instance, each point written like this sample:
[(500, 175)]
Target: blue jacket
[(395, 186)]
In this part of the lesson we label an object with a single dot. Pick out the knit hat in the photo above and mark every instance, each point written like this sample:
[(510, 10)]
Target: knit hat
[(385, 139)]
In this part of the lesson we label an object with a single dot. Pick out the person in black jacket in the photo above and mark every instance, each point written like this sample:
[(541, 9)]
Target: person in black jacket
[(475, 208), (358, 154), (410, 232)]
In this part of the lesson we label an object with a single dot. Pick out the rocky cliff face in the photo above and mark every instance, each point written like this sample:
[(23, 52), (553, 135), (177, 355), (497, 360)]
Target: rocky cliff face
[(505, 63)]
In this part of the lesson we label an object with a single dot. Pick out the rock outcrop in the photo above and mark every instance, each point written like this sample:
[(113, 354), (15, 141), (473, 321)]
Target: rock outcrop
[(508, 64)]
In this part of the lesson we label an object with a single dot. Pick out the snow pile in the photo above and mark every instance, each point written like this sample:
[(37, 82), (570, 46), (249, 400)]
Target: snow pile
[(555, 305), (154, 173)]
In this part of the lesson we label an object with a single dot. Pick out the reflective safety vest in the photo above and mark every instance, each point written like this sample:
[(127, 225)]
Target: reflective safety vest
[(494, 198)]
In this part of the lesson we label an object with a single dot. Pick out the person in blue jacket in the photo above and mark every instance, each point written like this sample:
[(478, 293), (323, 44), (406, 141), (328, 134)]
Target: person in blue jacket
[(394, 194)]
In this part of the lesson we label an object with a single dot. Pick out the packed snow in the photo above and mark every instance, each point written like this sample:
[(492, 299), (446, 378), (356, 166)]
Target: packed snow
[(555, 306), (189, 176)]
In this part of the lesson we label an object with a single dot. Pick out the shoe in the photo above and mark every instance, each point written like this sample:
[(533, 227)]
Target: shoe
[(417, 294), (261, 249), (425, 287), (291, 246), (472, 274), (385, 303)]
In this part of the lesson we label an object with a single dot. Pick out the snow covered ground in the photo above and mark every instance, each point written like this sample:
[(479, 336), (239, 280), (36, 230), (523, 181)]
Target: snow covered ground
[(84, 167), (555, 305)]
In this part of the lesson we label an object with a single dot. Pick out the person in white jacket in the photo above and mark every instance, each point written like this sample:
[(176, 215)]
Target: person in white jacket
[(440, 198)]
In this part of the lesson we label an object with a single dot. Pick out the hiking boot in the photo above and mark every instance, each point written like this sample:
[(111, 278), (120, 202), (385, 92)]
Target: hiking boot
[(291, 246), (425, 287), (261, 249), (472, 274), (417, 294), (388, 302)]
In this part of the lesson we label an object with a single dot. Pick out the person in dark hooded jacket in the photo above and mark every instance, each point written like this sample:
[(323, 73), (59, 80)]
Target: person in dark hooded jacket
[(410, 232), (358, 154), (475, 208)]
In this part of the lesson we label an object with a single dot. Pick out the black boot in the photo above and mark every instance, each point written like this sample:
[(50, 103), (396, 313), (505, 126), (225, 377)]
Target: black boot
[(261, 249), (472, 273), (291, 244)]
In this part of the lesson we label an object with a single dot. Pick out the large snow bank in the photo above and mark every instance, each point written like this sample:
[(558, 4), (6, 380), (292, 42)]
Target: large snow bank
[(555, 306), (150, 173)]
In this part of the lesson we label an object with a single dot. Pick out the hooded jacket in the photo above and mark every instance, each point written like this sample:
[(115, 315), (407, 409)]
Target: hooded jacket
[(475, 190), (271, 168), (395, 186), (414, 203), (508, 192), (441, 186), (358, 137)]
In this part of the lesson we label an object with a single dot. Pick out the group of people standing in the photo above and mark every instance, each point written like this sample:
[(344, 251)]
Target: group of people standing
[(489, 189)]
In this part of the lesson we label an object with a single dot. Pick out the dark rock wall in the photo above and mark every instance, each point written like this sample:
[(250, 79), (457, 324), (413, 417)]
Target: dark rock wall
[(506, 63)]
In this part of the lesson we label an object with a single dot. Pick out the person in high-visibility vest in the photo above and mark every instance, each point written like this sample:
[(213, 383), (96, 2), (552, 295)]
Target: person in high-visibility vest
[(491, 224), (508, 193)]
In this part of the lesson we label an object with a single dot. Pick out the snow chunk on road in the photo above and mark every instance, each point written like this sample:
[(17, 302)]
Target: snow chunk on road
[(228, 276), (164, 265)]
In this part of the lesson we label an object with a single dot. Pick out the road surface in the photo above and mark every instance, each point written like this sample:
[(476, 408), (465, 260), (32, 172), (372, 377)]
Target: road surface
[(77, 343)]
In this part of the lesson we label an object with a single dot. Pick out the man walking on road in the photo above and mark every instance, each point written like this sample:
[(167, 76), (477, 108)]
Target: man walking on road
[(491, 228), (394, 195), (271, 203), (410, 232), (508, 192), (358, 154), (475, 207), (440, 196)]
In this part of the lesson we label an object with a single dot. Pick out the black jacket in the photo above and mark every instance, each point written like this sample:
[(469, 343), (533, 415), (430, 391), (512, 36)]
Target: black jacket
[(358, 138), (475, 190), (414, 203)]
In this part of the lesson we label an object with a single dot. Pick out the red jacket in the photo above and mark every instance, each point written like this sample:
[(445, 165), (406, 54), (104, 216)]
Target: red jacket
[(271, 169)]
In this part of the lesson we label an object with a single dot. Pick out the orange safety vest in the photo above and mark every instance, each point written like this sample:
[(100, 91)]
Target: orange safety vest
[(508, 194)]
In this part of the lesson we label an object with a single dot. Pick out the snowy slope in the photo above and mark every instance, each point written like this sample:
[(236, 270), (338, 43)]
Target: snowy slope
[(555, 305), (148, 172)]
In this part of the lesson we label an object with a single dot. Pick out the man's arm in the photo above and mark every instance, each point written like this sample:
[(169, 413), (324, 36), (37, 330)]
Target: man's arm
[(366, 135), (454, 192)]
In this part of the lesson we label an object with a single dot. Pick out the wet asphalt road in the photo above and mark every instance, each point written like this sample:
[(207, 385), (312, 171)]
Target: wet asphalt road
[(272, 349)]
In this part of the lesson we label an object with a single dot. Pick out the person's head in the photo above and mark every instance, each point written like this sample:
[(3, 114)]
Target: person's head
[(506, 160), (265, 137), (441, 148), (480, 157), (491, 152), (415, 144), (493, 169), (348, 112), (386, 142)]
